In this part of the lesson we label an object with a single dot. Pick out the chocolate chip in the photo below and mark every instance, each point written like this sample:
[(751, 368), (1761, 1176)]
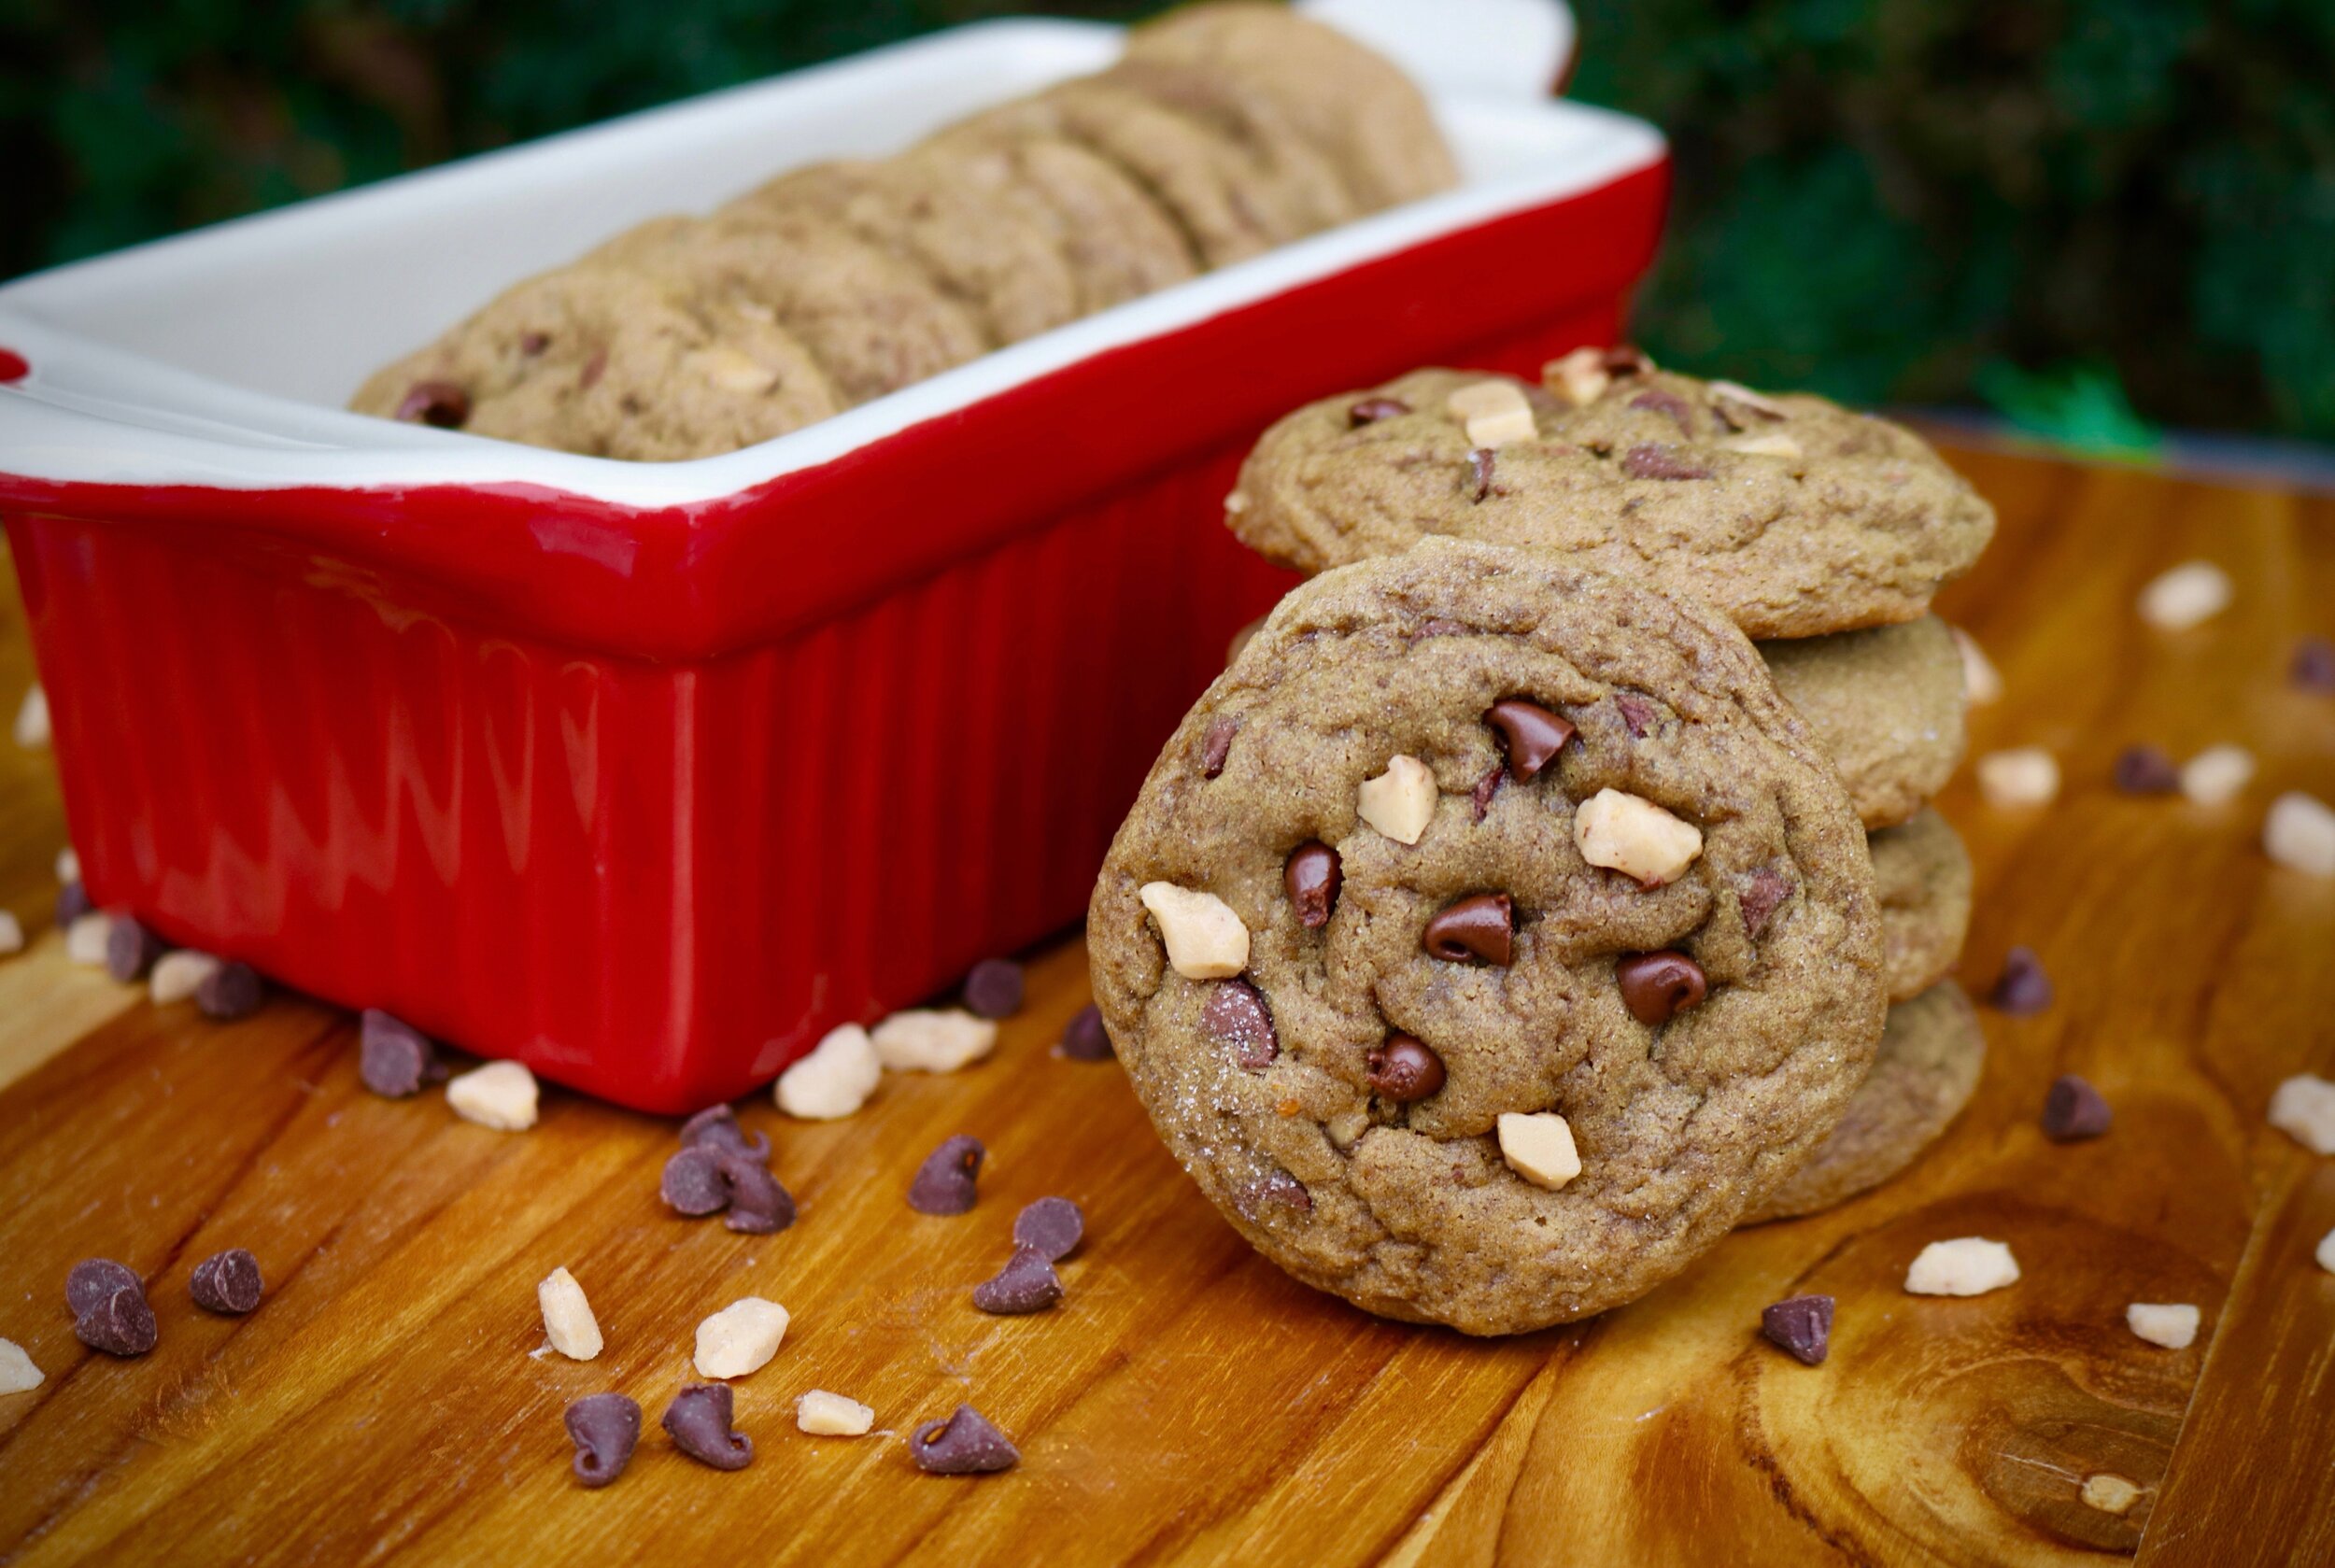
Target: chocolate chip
[(1279, 1187), (1026, 1283), (2314, 666), (1626, 359), (435, 403), (758, 1203), (1530, 735), (1313, 876), (93, 1280), (530, 344), (73, 902), (1370, 411), (589, 376), (717, 1127), (993, 988), (698, 1420), (1480, 463), (130, 948), (944, 1183), (231, 991), (1236, 1016), (1479, 798), (1637, 715), (1657, 986), (120, 1324), (1403, 1069), (1053, 1226), (2073, 1110), (692, 1181), (394, 1058), (964, 1445), (1085, 1040), (2146, 771), (1480, 930), (226, 1282), (605, 1428), (2022, 990), (1763, 890), (1654, 461), (1216, 744), (1654, 400), (1803, 1325)]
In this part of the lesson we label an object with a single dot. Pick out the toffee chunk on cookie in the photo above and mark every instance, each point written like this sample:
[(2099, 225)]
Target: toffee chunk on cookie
[(1499, 1081), (1791, 516)]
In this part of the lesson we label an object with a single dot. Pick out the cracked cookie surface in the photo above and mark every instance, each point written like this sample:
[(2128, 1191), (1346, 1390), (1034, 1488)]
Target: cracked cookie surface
[(1925, 1071), (1790, 514), (1359, 944)]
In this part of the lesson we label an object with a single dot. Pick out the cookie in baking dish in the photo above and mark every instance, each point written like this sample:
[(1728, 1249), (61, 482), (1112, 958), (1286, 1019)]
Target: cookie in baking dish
[(1488, 936), (609, 362), (1791, 514)]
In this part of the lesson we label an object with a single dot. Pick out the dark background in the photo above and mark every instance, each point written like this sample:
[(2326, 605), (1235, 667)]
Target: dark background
[(2067, 211)]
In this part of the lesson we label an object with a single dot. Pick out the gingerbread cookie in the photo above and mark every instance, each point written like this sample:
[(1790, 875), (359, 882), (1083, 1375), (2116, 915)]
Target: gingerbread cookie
[(1791, 516), (1886, 706), (610, 363), (1922, 872), (1489, 934), (1924, 1073)]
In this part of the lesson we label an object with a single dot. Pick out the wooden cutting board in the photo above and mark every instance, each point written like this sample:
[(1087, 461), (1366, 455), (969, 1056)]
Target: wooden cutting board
[(1186, 1402)]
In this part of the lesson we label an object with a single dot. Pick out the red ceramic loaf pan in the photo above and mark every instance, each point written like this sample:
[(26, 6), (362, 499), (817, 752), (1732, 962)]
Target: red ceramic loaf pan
[(648, 775)]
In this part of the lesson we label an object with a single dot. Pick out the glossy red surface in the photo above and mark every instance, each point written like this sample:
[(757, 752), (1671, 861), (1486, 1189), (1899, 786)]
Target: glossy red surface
[(652, 799)]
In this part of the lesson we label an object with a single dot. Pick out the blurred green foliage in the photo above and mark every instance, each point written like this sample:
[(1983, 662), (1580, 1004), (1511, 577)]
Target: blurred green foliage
[(1889, 199)]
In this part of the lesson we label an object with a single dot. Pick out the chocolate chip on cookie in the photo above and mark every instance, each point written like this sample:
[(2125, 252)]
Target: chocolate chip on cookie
[(1481, 929), (1235, 1018), (1370, 411), (1462, 1119), (1656, 987), (1530, 735), (1311, 876)]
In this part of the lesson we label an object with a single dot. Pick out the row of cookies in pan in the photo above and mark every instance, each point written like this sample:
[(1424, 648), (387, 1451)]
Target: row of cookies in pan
[(1227, 128), (1821, 532)]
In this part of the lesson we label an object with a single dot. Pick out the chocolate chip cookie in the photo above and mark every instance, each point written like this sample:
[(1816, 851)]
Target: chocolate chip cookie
[(1198, 176), (1924, 1073), (874, 323), (926, 209), (611, 363), (1118, 243), (1886, 706), (1923, 874), (1352, 104), (1488, 936), (1791, 516)]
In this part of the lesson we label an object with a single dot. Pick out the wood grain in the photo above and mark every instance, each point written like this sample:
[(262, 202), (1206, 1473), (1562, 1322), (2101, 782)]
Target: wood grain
[(1188, 1403)]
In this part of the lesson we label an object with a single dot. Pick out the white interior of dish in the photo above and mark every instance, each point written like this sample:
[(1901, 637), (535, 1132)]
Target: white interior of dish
[(222, 357)]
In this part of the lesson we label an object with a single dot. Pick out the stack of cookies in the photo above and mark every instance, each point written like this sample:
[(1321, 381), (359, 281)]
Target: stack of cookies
[(1229, 129), (1549, 886)]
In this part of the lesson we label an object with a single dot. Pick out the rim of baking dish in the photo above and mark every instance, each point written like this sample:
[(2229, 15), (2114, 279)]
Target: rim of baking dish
[(75, 411)]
